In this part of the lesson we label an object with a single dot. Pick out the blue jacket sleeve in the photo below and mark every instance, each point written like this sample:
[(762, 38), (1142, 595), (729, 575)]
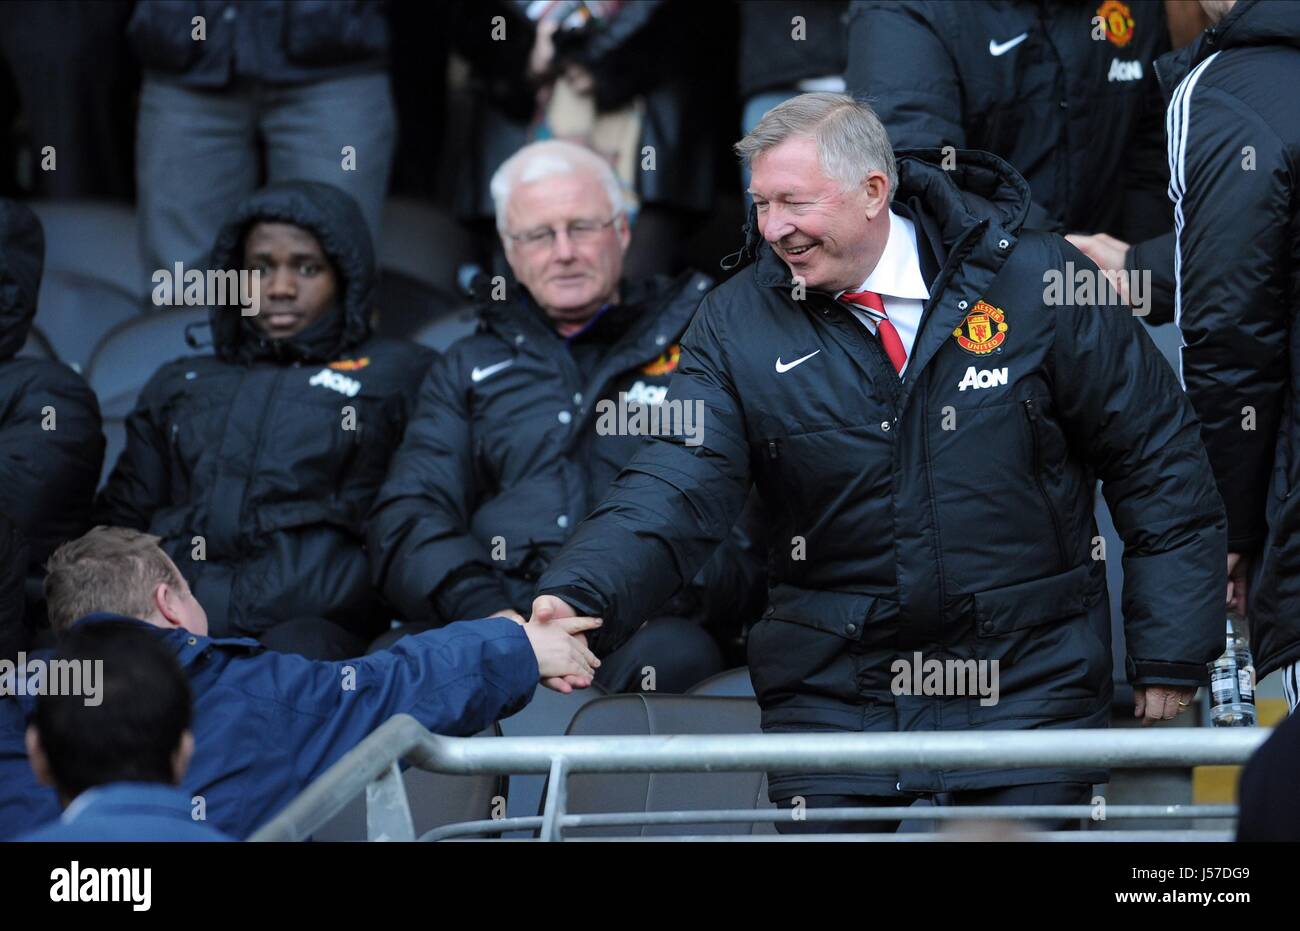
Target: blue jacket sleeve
[(456, 680)]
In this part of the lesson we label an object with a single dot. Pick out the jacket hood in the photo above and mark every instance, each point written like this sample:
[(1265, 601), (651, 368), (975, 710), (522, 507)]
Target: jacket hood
[(1250, 22), (980, 188), (333, 217), (22, 258)]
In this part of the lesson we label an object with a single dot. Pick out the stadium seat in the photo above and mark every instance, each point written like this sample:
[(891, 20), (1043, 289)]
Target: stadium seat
[(129, 355), (37, 347), (76, 311), (441, 333), (94, 239), (730, 683), (547, 715), (406, 304), (436, 799), (667, 714), (423, 242)]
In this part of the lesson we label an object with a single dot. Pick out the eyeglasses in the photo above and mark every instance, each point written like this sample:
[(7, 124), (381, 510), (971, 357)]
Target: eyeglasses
[(580, 232)]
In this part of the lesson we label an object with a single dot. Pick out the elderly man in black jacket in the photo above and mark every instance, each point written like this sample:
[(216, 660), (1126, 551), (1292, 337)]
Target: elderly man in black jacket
[(926, 423), (51, 444), (256, 465), (509, 448), (1234, 142)]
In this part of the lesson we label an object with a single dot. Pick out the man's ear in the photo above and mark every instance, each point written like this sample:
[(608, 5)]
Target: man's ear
[(876, 187), (164, 603), (624, 227), (36, 757), (181, 756)]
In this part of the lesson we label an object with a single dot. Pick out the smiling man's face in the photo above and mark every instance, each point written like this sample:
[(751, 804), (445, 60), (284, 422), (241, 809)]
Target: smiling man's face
[(298, 283), (830, 237)]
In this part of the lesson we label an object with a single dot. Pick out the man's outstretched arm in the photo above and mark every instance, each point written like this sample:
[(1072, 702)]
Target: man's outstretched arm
[(669, 507)]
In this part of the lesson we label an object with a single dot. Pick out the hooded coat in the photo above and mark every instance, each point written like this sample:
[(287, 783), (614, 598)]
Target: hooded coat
[(946, 516), (256, 465), (51, 443)]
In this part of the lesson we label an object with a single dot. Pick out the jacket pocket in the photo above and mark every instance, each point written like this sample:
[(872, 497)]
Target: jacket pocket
[(1038, 464), (1043, 635), (1039, 601), (844, 614), (802, 647), (159, 34)]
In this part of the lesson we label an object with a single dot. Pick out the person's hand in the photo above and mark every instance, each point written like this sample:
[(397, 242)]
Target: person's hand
[(1108, 252), (1110, 255), (563, 659), (1160, 703), (1238, 569), (547, 609), (510, 613)]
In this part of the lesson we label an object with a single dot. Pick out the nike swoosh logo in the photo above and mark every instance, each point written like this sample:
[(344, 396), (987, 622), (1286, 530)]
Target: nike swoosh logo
[(786, 366), (479, 374), (1001, 48)]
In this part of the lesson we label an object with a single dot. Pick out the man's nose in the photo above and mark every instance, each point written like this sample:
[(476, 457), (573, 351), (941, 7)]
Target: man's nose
[(776, 225), (281, 283), (563, 250)]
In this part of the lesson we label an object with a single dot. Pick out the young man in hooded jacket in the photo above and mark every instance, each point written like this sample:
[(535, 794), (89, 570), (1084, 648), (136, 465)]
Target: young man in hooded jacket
[(256, 465)]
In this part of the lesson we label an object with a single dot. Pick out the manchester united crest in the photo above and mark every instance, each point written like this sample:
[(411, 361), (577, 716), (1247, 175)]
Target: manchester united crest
[(983, 330), (1117, 20), (666, 362)]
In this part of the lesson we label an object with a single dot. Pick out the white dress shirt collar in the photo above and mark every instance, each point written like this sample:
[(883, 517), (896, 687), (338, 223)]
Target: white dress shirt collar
[(898, 273)]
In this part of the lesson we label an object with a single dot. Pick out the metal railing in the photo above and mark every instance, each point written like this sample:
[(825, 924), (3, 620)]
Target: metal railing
[(372, 768)]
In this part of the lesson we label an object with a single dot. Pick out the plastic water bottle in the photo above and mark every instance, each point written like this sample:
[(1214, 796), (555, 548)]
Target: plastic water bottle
[(1232, 680)]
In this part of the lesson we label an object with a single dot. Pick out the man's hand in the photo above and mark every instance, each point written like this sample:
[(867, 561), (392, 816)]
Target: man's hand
[(1238, 569), (549, 611), (1110, 255), (1108, 252), (1160, 703), (563, 659)]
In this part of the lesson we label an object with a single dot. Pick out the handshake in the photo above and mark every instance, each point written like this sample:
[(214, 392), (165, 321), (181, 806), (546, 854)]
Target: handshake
[(559, 643)]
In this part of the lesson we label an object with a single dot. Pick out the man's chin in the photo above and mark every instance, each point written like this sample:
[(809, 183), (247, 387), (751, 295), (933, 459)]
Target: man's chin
[(565, 303)]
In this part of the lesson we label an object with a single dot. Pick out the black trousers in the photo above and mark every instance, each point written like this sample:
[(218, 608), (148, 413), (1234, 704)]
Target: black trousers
[(1044, 793)]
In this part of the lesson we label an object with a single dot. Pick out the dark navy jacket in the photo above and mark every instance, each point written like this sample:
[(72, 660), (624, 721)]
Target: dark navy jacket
[(24, 803), (936, 519), (129, 811), (266, 724)]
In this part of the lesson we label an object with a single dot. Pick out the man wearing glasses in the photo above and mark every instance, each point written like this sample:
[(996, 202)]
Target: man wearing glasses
[(513, 442)]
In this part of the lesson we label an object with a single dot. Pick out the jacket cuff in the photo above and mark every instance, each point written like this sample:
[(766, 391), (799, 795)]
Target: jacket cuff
[(1155, 256), (1251, 544), (582, 602), (1145, 673)]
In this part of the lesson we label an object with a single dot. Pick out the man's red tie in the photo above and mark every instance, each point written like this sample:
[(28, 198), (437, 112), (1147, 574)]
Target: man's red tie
[(889, 337)]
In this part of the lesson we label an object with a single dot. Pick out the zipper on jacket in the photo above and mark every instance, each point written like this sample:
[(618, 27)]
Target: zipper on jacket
[(773, 449), (1032, 415)]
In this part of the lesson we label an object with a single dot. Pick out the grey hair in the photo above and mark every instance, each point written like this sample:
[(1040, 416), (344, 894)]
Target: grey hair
[(851, 140), (552, 157)]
